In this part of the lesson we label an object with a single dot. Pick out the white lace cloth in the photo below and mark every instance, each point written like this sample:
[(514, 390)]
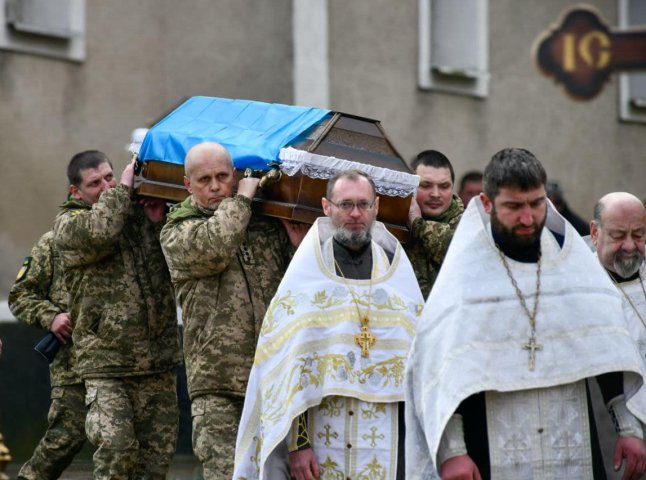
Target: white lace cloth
[(387, 182)]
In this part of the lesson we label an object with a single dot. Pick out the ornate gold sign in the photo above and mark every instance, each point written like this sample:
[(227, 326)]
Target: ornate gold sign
[(581, 52)]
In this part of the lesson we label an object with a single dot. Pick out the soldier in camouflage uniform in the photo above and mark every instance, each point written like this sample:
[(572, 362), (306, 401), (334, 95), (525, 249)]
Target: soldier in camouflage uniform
[(125, 323), (433, 218), (226, 265), (38, 298)]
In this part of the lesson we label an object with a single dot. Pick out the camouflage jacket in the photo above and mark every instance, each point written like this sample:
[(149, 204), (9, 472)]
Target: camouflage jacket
[(429, 240), (121, 298), (38, 295), (226, 266)]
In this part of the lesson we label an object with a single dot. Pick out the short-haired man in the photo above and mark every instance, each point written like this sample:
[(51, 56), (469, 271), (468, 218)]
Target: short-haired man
[(470, 186), (125, 320), (225, 264), (520, 316), (433, 217), (39, 298), (327, 382)]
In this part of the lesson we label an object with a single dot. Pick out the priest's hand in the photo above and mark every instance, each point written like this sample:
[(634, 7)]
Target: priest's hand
[(459, 468), (303, 465), (634, 451)]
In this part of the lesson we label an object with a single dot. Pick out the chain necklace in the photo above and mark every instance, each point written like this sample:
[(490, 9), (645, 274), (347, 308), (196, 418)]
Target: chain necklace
[(532, 344), (365, 339), (627, 297)]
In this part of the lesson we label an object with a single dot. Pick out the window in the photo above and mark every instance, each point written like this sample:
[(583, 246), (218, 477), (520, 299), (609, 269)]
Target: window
[(632, 86), (54, 28), (453, 46)]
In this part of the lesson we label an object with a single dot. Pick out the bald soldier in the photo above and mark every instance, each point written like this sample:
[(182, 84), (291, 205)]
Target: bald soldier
[(225, 265)]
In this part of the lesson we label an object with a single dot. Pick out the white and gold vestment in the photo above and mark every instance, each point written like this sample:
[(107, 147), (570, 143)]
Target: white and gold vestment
[(307, 360)]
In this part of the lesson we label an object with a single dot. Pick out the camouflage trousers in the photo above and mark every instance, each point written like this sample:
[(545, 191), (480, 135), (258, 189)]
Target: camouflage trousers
[(215, 427), (133, 421), (64, 437)]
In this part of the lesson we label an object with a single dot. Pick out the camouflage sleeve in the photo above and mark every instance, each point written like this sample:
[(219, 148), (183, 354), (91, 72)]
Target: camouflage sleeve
[(29, 297), (85, 236), (196, 248), (435, 237)]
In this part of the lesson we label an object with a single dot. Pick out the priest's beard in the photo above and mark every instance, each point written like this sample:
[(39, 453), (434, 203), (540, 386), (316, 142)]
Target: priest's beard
[(352, 240), (627, 263), (512, 240)]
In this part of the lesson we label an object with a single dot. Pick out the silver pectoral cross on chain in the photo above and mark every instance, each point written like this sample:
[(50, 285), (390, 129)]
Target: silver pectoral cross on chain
[(532, 346)]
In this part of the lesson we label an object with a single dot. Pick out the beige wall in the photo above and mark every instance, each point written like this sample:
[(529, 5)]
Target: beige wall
[(373, 57), (142, 59)]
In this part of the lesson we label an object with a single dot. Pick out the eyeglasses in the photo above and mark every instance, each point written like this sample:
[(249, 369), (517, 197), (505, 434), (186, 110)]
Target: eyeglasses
[(348, 206)]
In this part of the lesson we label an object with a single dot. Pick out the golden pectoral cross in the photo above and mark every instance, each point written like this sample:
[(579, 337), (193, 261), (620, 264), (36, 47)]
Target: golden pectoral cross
[(365, 339), (532, 346)]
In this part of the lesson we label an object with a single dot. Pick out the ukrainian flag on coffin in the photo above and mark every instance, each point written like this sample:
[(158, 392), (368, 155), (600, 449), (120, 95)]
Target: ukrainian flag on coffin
[(253, 132)]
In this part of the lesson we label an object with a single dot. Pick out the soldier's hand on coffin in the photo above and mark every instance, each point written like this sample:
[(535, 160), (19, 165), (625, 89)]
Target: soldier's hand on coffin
[(128, 175), (296, 231), (414, 211), (62, 327), (248, 186), (154, 208), (634, 451)]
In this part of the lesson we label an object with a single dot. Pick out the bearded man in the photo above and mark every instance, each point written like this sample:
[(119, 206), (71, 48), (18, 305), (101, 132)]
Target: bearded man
[(327, 381), (496, 377)]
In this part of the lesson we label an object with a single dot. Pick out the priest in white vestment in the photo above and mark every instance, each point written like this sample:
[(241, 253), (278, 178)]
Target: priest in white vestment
[(327, 384), (618, 232), (520, 316)]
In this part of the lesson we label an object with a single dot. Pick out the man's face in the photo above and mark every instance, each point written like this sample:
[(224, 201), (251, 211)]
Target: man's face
[(94, 181), (211, 180), (435, 190), (352, 225), (470, 189), (517, 216), (620, 238)]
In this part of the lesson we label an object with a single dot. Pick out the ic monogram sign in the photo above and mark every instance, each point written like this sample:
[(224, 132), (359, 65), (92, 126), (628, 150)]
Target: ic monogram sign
[(581, 52)]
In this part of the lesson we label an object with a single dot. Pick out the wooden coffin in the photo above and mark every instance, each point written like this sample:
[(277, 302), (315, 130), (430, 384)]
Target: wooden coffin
[(298, 197)]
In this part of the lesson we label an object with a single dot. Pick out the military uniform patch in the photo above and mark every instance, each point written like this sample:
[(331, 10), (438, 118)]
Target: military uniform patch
[(24, 269)]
